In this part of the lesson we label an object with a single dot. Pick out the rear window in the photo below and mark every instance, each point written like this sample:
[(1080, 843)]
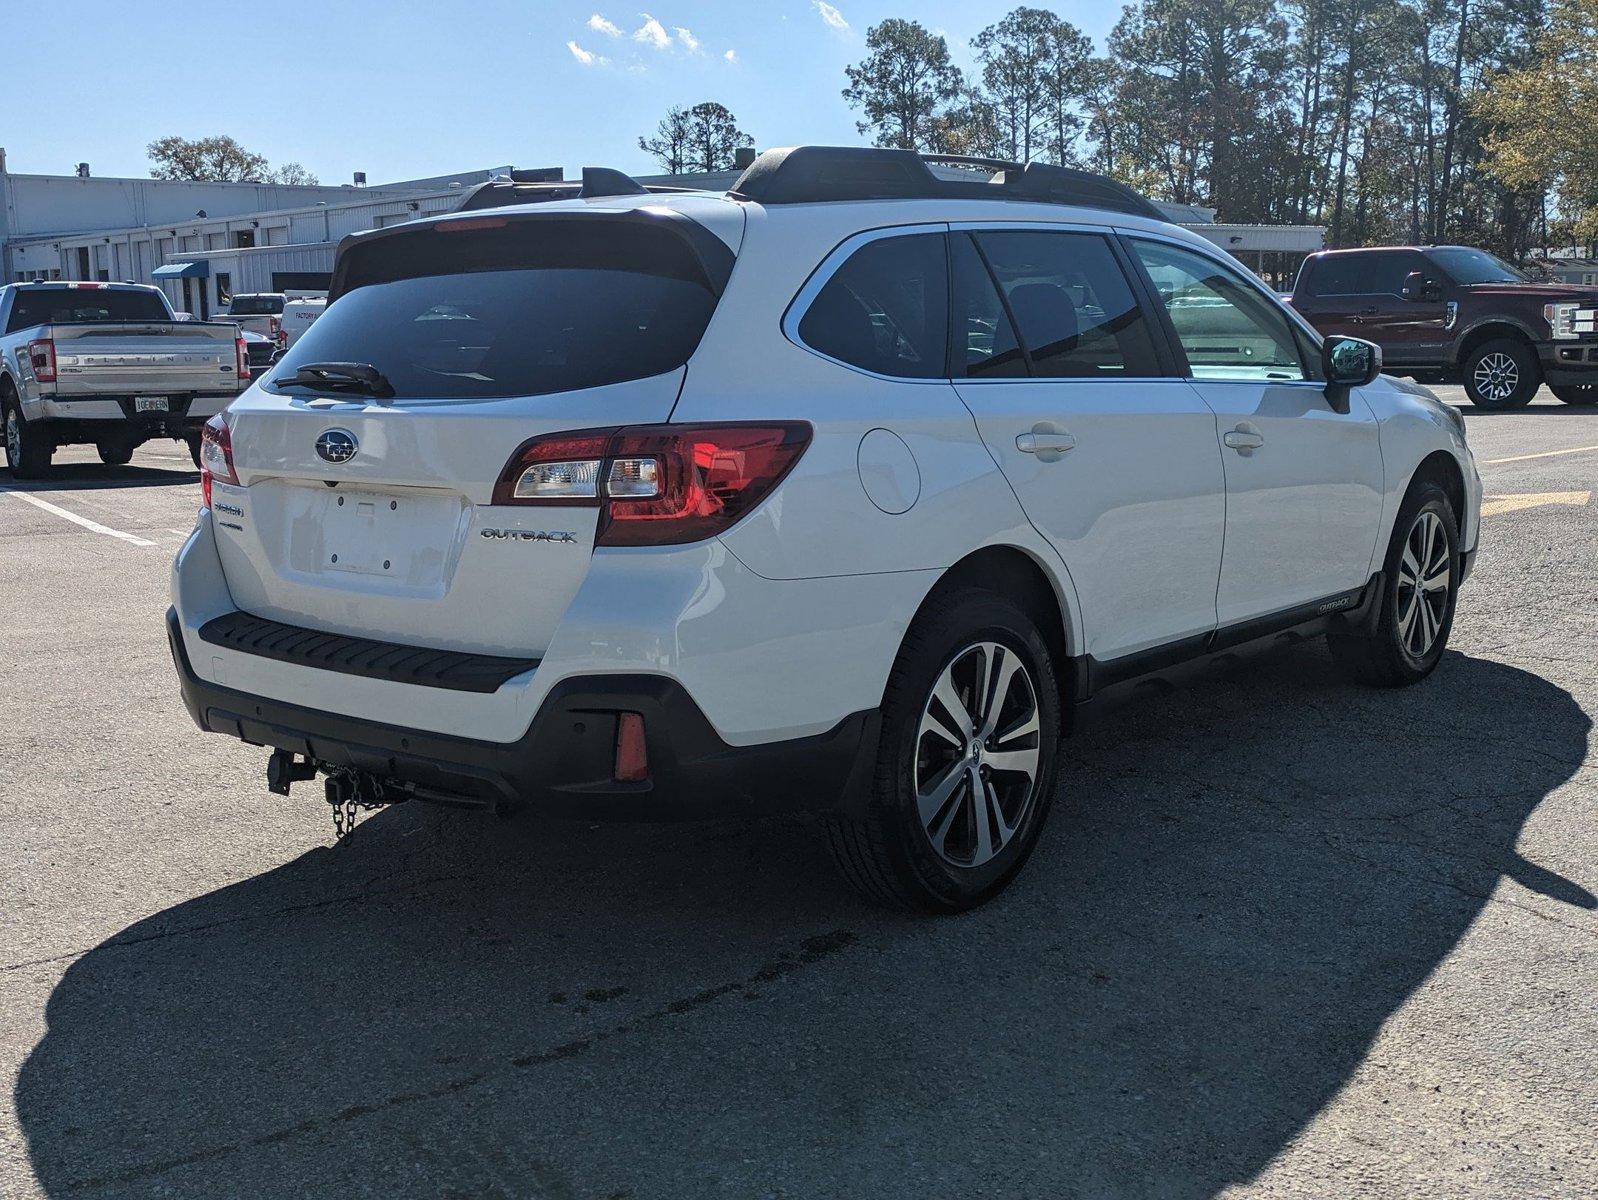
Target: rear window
[(256, 306), (515, 308), (82, 306)]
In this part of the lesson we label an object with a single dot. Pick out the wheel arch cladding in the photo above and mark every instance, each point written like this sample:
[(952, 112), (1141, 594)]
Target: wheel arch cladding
[(1017, 575), (1491, 331), (1442, 468)]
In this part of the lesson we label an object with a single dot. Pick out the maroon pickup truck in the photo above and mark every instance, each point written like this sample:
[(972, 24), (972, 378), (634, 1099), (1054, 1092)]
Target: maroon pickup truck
[(1458, 314)]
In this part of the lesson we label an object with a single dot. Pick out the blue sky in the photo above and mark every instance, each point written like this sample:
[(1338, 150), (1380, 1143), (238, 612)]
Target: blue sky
[(409, 88)]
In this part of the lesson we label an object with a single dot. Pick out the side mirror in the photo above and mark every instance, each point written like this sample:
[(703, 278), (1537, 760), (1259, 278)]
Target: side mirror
[(1418, 287), (1350, 362)]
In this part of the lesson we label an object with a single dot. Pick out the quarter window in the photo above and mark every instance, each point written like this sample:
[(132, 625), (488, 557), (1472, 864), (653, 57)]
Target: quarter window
[(886, 309), (1227, 329), (1075, 310)]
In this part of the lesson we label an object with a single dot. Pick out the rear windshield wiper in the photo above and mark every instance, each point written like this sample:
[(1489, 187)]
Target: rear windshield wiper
[(340, 376)]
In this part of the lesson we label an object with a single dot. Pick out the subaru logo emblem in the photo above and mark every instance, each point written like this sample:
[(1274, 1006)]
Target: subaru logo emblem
[(337, 445)]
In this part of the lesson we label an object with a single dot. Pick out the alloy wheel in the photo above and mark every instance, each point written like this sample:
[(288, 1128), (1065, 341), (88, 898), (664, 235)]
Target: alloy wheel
[(1496, 376), (1424, 574), (978, 754)]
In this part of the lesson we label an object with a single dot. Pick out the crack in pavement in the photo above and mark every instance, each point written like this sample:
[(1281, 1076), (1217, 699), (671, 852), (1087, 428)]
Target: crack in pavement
[(811, 950)]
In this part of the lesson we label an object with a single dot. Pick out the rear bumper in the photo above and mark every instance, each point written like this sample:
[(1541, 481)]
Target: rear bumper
[(563, 764), (95, 418)]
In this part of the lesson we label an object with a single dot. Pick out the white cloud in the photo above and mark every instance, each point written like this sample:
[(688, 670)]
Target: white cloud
[(587, 57), (652, 32), (600, 25), (689, 42), (830, 15), (731, 56)]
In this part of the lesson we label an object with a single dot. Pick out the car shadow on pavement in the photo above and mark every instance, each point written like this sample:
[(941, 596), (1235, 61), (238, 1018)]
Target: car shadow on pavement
[(80, 477), (1241, 883)]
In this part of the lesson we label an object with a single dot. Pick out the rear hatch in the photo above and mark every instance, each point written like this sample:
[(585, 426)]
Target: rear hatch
[(371, 514)]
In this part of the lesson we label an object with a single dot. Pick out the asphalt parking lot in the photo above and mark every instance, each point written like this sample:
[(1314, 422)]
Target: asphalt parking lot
[(1284, 937)]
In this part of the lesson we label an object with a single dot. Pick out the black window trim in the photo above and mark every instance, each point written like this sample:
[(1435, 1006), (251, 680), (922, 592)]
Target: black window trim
[(1241, 275)]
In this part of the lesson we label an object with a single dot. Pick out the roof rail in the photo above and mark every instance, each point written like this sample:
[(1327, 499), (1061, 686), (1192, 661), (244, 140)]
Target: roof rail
[(596, 182), (807, 174)]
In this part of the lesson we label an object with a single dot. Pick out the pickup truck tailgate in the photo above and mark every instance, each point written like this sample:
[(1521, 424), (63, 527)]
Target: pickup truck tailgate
[(158, 357)]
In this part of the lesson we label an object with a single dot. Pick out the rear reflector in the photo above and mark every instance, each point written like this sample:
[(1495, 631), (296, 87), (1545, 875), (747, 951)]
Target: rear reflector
[(655, 485), (632, 754)]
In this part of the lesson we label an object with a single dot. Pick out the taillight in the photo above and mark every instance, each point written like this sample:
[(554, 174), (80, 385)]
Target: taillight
[(279, 334), (241, 351), (655, 485), (41, 355), (216, 456)]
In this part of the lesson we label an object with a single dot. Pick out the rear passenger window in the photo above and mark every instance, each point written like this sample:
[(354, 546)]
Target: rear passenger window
[(886, 309), (1071, 301)]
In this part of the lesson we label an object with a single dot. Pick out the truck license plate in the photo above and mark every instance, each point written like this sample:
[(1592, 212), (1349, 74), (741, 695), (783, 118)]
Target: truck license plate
[(150, 404)]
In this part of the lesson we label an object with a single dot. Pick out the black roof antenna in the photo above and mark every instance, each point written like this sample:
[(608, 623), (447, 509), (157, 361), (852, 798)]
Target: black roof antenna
[(604, 181)]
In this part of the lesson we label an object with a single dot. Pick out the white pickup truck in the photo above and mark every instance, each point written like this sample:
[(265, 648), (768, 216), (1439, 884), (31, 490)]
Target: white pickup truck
[(107, 364)]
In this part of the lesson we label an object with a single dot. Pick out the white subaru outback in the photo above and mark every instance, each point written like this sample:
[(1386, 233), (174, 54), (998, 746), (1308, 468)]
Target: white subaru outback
[(839, 491)]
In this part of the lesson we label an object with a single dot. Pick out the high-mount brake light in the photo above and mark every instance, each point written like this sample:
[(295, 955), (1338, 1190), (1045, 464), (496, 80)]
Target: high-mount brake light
[(469, 223), (241, 357), (41, 357), (216, 456), (655, 485)]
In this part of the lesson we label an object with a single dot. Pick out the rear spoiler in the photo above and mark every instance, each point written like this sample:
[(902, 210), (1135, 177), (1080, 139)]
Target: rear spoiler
[(713, 255)]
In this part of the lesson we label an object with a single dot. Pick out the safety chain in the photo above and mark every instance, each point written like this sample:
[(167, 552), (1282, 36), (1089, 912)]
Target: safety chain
[(348, 792)]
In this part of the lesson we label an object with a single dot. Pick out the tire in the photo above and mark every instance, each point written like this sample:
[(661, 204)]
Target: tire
[(28, 450), (950, 862), (193, 440), (115, 454), (1502, 374), (1582, 395), (1392, 652)]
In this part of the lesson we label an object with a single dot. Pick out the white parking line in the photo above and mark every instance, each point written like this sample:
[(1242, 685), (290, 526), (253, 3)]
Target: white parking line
[(1492, 462), (93, 526)]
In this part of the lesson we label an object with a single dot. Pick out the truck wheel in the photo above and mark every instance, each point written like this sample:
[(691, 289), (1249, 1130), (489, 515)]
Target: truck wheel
[(194, 448), (1502, 374), (1420, 585), (1583, 395), (965, 763), (27, 449), (115, 454)]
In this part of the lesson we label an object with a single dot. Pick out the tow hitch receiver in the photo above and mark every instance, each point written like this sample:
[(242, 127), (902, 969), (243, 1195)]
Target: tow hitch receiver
[(350, 791)]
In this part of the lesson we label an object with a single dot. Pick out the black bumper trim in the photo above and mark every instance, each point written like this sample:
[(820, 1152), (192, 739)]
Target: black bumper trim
[(397, 663), (563, 764)]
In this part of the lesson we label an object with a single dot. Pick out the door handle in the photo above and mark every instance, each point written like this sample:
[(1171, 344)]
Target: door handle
[(1244, 438), (1045, 441)]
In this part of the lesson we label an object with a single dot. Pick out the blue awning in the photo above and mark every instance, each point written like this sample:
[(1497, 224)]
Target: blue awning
[(188, 270)]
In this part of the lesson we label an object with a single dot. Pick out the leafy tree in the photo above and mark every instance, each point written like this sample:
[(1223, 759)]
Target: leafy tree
[(217, 159), (1524, 148), (1014, 55), (903, 85), (292, 173), (713, 138), (670, 143)]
